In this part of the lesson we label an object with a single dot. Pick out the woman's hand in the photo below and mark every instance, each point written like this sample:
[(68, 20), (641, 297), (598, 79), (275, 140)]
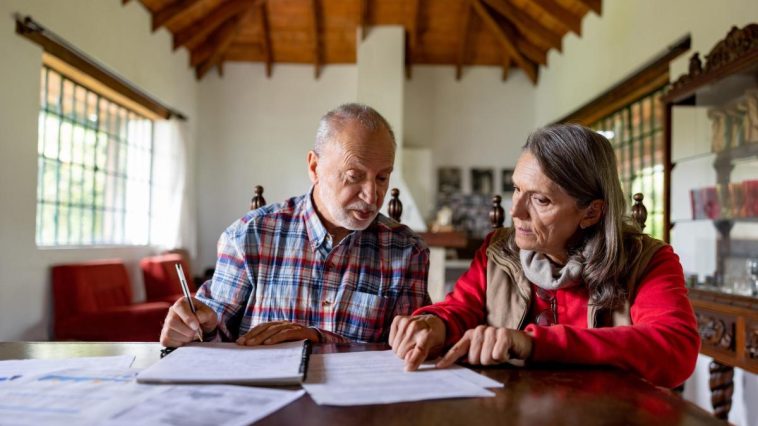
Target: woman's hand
[(415, 338), (486, 345)]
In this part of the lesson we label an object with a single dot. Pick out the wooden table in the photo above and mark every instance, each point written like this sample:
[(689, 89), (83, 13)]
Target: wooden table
[(531, 396)]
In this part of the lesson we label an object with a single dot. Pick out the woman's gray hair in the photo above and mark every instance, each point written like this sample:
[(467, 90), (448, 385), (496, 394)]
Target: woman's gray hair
[(582, 162), (333, 121)]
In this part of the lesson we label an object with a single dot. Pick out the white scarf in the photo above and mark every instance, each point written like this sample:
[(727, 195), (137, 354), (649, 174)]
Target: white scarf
[(543, 273)]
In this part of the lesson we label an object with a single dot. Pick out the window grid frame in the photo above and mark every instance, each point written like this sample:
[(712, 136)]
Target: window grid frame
[(113, 176), (631, 151)]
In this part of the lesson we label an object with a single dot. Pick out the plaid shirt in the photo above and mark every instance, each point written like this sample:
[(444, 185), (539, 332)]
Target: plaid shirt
[(277, 263)]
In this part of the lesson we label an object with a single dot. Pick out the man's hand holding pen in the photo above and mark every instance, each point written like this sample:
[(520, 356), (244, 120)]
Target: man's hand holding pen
[(182, 326)]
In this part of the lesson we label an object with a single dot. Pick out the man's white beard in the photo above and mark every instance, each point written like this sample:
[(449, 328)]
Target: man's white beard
[(342, 215)]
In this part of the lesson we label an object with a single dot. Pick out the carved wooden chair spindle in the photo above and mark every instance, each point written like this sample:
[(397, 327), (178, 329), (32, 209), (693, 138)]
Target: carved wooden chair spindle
[(257, 201), (395, 207)]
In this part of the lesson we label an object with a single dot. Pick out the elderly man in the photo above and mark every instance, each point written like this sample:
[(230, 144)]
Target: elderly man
[(325, 266)]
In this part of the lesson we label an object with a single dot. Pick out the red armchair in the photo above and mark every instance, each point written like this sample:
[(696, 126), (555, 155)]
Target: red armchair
[(161, 281), (93, 301)]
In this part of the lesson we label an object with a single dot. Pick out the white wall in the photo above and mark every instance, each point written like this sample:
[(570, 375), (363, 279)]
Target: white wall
[(479, 121), (118, 37), (629, 34), (255, 130)]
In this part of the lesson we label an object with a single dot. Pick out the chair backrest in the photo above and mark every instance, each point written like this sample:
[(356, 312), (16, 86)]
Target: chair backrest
[(639, 211), (161, 280), (257, 201), (497, 214), (89, 287), (395, 207)]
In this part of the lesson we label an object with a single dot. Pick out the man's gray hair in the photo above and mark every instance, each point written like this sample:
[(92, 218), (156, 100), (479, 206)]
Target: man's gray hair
[(335, 120)]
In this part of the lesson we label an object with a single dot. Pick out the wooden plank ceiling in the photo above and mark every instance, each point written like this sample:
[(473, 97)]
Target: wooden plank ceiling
[(503, 33)]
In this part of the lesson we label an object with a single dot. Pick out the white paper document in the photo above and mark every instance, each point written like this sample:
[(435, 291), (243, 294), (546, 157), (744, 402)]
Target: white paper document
[(230, 363), (189, 405), (69, 397), (378, 377), (113, 398), (16, 369)]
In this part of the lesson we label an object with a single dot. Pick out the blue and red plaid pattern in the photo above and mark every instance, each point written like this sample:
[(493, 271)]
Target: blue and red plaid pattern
[(277, 263)]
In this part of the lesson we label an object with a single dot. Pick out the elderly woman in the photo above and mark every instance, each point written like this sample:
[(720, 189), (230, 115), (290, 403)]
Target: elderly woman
[(574, 281)]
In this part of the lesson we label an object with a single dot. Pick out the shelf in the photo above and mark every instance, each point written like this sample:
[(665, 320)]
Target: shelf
[(693, 157), (735, 219), (715, 84), (447, 239), (741, 153)]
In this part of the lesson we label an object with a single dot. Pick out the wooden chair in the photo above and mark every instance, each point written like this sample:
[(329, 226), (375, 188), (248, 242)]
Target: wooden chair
[(639, 211), (257, 201), (395, 207)]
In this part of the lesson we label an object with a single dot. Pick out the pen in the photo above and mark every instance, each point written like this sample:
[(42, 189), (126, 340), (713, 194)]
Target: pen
[(185, 290)]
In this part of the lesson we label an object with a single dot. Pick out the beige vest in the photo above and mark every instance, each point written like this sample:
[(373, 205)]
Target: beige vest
[(509, 293)]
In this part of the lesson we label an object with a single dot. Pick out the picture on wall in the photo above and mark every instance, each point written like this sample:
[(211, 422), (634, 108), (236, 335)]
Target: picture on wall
[(448, 180), (506, 180), (482, 181)]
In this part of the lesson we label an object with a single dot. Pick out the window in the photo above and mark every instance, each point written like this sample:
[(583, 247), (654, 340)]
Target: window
[(94, 167), (636, 133)]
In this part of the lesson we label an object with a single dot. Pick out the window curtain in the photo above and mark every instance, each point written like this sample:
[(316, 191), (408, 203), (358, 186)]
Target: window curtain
[(173, 224)]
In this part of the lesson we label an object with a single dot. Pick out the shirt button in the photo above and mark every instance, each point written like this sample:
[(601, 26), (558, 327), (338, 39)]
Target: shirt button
[(326, 303)]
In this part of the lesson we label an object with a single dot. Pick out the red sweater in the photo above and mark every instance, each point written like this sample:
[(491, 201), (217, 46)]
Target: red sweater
[(661, 345)]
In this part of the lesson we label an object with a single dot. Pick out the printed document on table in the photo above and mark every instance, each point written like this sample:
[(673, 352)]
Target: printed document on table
[(229, 363), (378, 377), (16, 369), (218, 405), (70, 397), (113, 398)]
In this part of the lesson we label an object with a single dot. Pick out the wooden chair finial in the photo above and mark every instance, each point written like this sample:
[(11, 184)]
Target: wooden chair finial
[(395, 208), (639, 211), (257, 200), (497, 214)]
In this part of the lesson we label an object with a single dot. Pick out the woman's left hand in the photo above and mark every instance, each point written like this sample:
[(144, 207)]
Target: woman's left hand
[(486, 345)]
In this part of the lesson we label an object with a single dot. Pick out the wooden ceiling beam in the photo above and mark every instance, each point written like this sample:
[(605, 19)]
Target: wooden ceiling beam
[(532, 52), (564, 16), (266, 38), (465, 29), (201, 28), (203, 51), (220, 43), (508, 44), (506, 67), (172, 12), (594, 5), (529, 50), (413, 36), (316, 39), (363, 19), (526, 24)]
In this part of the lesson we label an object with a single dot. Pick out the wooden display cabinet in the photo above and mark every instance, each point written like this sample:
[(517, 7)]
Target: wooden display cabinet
[(728, 322)]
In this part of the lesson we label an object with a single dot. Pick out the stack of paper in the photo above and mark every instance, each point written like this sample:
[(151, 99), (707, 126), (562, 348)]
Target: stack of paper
[(230, 363), (361, 378), (103, 390), (102, 397)]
